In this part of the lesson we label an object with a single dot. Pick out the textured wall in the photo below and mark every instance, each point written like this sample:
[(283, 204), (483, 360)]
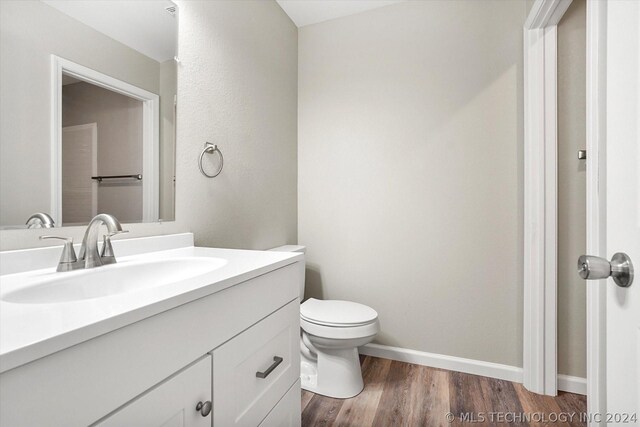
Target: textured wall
[(410, 171), (237, 88)]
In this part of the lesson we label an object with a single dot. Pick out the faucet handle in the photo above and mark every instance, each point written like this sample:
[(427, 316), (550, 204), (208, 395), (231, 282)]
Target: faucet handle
[(68, 257), (107, 254), (107, 249)]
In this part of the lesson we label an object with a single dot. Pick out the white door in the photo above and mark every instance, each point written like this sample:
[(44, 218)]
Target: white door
[(79, 164), (173, 403), (623, 206)]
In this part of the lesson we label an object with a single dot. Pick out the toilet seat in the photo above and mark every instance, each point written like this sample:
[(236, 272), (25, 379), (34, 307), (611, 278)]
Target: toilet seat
[(340, 320), (340, 333), (337, 313)]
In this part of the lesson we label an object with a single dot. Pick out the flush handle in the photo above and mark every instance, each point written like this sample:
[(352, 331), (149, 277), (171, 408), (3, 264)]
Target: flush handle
[(276, 361), (595, 268)]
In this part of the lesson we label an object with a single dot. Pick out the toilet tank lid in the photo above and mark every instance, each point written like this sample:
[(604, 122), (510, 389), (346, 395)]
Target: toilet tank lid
[(290, 248)]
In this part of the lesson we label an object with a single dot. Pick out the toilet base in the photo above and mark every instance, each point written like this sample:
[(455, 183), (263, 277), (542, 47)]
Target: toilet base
[(336, 373), (308, 376)]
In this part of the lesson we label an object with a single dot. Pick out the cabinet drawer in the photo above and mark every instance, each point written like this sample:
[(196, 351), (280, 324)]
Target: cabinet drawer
[(287, 411), (248, 376)]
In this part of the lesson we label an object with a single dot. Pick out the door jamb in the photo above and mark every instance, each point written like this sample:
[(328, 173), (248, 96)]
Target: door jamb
[(540, 373), (540, 320)]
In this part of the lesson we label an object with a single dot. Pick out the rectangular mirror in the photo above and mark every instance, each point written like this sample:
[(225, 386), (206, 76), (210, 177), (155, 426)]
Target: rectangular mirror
[(87, 111)]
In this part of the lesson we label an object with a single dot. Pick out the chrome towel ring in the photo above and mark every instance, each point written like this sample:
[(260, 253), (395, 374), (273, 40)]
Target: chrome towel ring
[(210, 148)]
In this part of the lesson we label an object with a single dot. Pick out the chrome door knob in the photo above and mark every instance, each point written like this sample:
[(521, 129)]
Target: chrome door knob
[(595, 268)]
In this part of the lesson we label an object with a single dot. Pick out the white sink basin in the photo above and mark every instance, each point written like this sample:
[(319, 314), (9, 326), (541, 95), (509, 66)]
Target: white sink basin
[(126, 276)]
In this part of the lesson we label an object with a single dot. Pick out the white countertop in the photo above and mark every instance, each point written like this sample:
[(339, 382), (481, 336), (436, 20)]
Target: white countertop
[(31, 331)]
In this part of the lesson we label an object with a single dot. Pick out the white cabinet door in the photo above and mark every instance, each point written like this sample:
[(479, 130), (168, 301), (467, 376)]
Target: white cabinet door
[(171, 403)]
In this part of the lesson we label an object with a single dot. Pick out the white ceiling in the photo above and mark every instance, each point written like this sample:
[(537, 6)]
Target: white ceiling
[(313, 11), (143, 25)]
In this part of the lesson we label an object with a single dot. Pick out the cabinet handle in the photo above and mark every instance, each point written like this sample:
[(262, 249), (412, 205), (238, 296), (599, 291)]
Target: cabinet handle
[(204, 408), (276, 361)]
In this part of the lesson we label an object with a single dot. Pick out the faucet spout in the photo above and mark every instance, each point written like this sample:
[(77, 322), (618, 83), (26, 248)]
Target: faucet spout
[(40, 220), (89, 254)]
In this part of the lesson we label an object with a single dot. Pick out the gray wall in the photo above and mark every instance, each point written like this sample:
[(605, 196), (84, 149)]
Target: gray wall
[(119, 120), (528, 4), (572, 320), (237, 88), (237, 85), (30, 32), (410, 171)]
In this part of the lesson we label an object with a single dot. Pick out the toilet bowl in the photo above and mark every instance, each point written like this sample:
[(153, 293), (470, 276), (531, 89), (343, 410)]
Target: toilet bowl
[(330, 333)]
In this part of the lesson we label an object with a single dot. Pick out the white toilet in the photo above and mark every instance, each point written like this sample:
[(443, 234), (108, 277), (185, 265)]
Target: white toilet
[(331, 332)]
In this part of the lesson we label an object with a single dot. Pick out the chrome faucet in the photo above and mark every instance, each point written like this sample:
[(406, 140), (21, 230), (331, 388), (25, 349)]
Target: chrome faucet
[(40, 220), (89, 256)]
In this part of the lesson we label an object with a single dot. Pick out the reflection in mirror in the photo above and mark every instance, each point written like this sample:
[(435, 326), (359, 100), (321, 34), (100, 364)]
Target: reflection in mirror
[(91, 114), (108, 132), (87, 111)]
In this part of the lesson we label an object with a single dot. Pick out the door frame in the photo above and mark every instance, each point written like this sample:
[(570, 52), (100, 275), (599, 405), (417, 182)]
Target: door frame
[(540, 233), (540, 370), (150, 133)]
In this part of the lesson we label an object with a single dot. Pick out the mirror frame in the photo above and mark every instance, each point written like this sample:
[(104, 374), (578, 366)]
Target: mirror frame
[(150, 132)]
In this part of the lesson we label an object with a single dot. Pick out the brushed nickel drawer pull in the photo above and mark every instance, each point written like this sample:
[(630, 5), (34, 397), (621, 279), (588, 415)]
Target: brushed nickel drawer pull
[(276, 361)]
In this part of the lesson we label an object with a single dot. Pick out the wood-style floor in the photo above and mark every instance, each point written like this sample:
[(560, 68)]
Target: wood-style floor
[(402, 394)]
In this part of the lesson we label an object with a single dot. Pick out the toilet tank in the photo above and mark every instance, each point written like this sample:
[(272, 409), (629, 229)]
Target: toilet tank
[(293, 248)]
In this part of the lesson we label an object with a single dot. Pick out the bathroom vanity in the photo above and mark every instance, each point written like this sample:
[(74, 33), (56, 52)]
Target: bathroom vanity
[(211, 339)]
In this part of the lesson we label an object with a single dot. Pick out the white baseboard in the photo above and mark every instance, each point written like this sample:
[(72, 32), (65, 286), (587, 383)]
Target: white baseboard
[(451, 363), (468, 366), (572, 384)]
